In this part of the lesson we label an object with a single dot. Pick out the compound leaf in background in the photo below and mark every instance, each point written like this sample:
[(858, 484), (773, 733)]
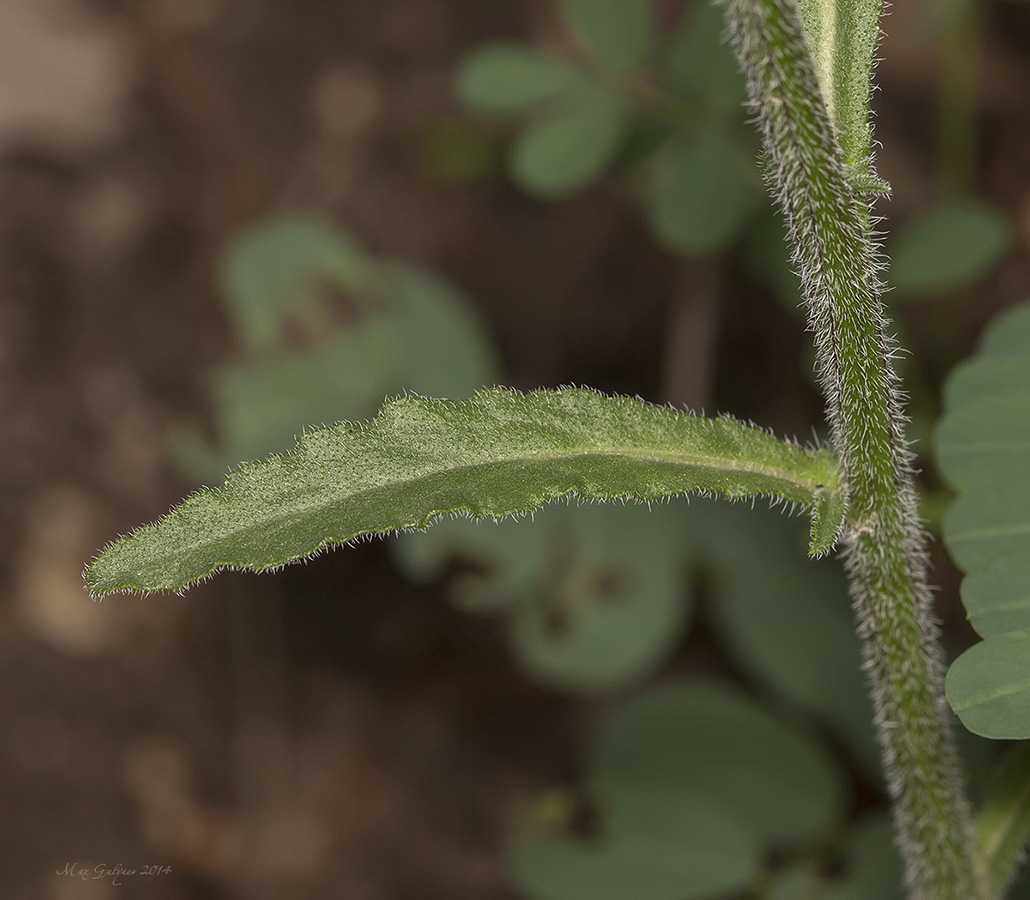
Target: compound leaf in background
[(615, 601), (566, 868), (508, 78), (871, 864), (681, 745), (983, 451), (689, 780), (261, 405), (595, 594), (272, 273), (699, 64), (498, 454), (577, 125), (948, 247), (446, 351), (618, 32), (988, 686), (263, 399), (572, 144), (787, 621), (699, 194)]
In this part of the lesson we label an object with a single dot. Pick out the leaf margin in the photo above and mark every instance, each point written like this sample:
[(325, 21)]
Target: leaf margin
[(807, 477)]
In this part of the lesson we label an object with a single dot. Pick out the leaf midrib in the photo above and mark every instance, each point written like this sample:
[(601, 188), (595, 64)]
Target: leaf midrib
[(670, 458)]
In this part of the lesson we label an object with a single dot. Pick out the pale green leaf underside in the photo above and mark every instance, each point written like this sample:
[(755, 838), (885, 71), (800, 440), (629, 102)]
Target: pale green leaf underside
[(499, 454)]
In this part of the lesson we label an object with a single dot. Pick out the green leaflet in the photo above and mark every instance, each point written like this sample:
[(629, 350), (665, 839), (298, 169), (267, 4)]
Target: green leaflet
[(948, 247), (499, 454), (618, 32), (983, 450), (690, 786)]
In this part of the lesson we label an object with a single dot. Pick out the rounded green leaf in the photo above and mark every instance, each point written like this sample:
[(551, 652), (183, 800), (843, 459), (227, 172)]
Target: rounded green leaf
[(718, 859), (948, 247), (570, 147), (787, 620), (682, 747), (872, 866), (614, 602), (514, 78), (699, 64), (997, 597), (988, 686), (271, 269), (447, 351), (618, 32), (699, 194), (988, 441), (595, 594), (987, 523), (983, 449)]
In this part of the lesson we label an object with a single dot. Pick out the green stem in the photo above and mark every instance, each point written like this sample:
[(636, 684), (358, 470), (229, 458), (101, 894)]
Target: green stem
[(883, 539)]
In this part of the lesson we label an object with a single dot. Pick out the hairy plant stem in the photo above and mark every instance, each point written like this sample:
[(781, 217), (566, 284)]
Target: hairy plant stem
[(831, 230)]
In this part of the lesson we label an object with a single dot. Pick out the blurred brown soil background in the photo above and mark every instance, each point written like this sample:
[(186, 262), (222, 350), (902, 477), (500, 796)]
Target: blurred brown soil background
[(331, 732)]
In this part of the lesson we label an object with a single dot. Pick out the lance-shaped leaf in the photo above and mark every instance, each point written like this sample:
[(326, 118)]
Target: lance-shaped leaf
[(499, 454), (842, 36)]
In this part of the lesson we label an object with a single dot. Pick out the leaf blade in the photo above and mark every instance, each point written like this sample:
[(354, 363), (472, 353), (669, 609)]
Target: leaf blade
[(618, 32), (499, 454)]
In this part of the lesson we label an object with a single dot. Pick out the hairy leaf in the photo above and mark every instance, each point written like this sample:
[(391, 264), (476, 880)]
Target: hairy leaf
[(989, 686), (499, 454), (842, 35)]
